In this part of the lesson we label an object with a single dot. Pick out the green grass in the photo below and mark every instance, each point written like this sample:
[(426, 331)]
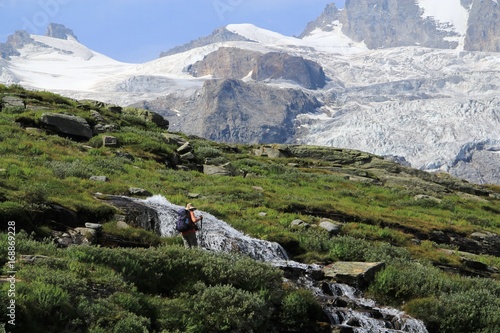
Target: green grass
[(39, 170)]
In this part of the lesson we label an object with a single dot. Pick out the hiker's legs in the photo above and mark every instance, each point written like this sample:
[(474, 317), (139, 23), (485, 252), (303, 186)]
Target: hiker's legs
[(190, 240)]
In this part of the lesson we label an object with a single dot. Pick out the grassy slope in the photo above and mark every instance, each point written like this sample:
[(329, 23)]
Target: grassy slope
[(373, 197)]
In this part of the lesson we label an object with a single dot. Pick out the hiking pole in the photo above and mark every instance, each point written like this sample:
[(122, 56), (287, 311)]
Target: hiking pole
[(201, 231)]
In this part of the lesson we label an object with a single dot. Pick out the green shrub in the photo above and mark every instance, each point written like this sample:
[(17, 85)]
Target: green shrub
[(132, 323), (403, 282), (315, 240), (207, 152), (297, 305), (349, 248), (223, 308), (46, 302), (15, 211), (95, 213), (36, 193), (76, 168), (472, 311)]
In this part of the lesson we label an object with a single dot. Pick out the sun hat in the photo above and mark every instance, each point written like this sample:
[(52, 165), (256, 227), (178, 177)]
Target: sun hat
[(190, 206)]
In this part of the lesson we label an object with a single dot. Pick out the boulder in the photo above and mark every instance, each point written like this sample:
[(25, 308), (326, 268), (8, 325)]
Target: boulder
[(185, 148), (94, 103), (31, 259), (490, 242), (13, 101), (62, 216), (357, 274), (271, 151), (109, 141), (99, 178), (105, 128), (187, 156), (90, 235), (115, 109), (78, 236), (332, 227), (125, 155), (421, 197), (299, 224), (139, 191), (94, 226), (153, 117), (122, 225), (174, 139), (136, 214), (215, 170), (69, 125)]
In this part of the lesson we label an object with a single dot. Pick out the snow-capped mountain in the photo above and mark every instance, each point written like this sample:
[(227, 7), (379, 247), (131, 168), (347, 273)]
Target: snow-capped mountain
[(417, 79)]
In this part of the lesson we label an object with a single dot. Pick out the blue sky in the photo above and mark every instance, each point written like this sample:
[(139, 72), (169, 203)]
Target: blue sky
[(138, 30)]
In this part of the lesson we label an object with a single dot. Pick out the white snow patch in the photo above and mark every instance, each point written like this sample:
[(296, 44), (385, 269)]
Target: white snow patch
[(323, 41), (446, 11)]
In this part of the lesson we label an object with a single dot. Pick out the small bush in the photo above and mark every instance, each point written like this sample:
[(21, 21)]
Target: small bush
[(403, 282), (224, 308), (207, 152), (472, 311), (76, 168), (132, 323), (349, 249), (297, 305)]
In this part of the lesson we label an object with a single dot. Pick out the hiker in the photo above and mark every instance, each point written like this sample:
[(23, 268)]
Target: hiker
[(189, 236)]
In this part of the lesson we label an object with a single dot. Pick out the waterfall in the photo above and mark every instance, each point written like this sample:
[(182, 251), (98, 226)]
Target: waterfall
[(216, 235), (343, 304)]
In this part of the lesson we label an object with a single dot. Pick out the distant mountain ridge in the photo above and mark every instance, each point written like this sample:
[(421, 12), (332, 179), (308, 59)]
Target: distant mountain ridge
[(468, 25), (418, 82)]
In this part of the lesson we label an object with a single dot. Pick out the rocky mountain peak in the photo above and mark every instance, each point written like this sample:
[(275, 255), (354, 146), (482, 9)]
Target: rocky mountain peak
[(393, 23), (324, 21), (56, 30), (14, 42), (471, 25), (217, 36)]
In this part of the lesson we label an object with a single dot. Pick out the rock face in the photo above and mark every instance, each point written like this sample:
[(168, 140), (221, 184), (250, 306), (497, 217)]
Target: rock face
[(151, 117), (12, 101), (73, 126), (394, 23), (136, 214), (324, 21), (281, 66), (234, 63), (55, 30), (233, 111), (353, 273), (225, 63), (484, 29), (14, 42)]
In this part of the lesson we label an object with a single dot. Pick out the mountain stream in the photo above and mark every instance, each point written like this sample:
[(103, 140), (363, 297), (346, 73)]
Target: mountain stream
[(345, 306)]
